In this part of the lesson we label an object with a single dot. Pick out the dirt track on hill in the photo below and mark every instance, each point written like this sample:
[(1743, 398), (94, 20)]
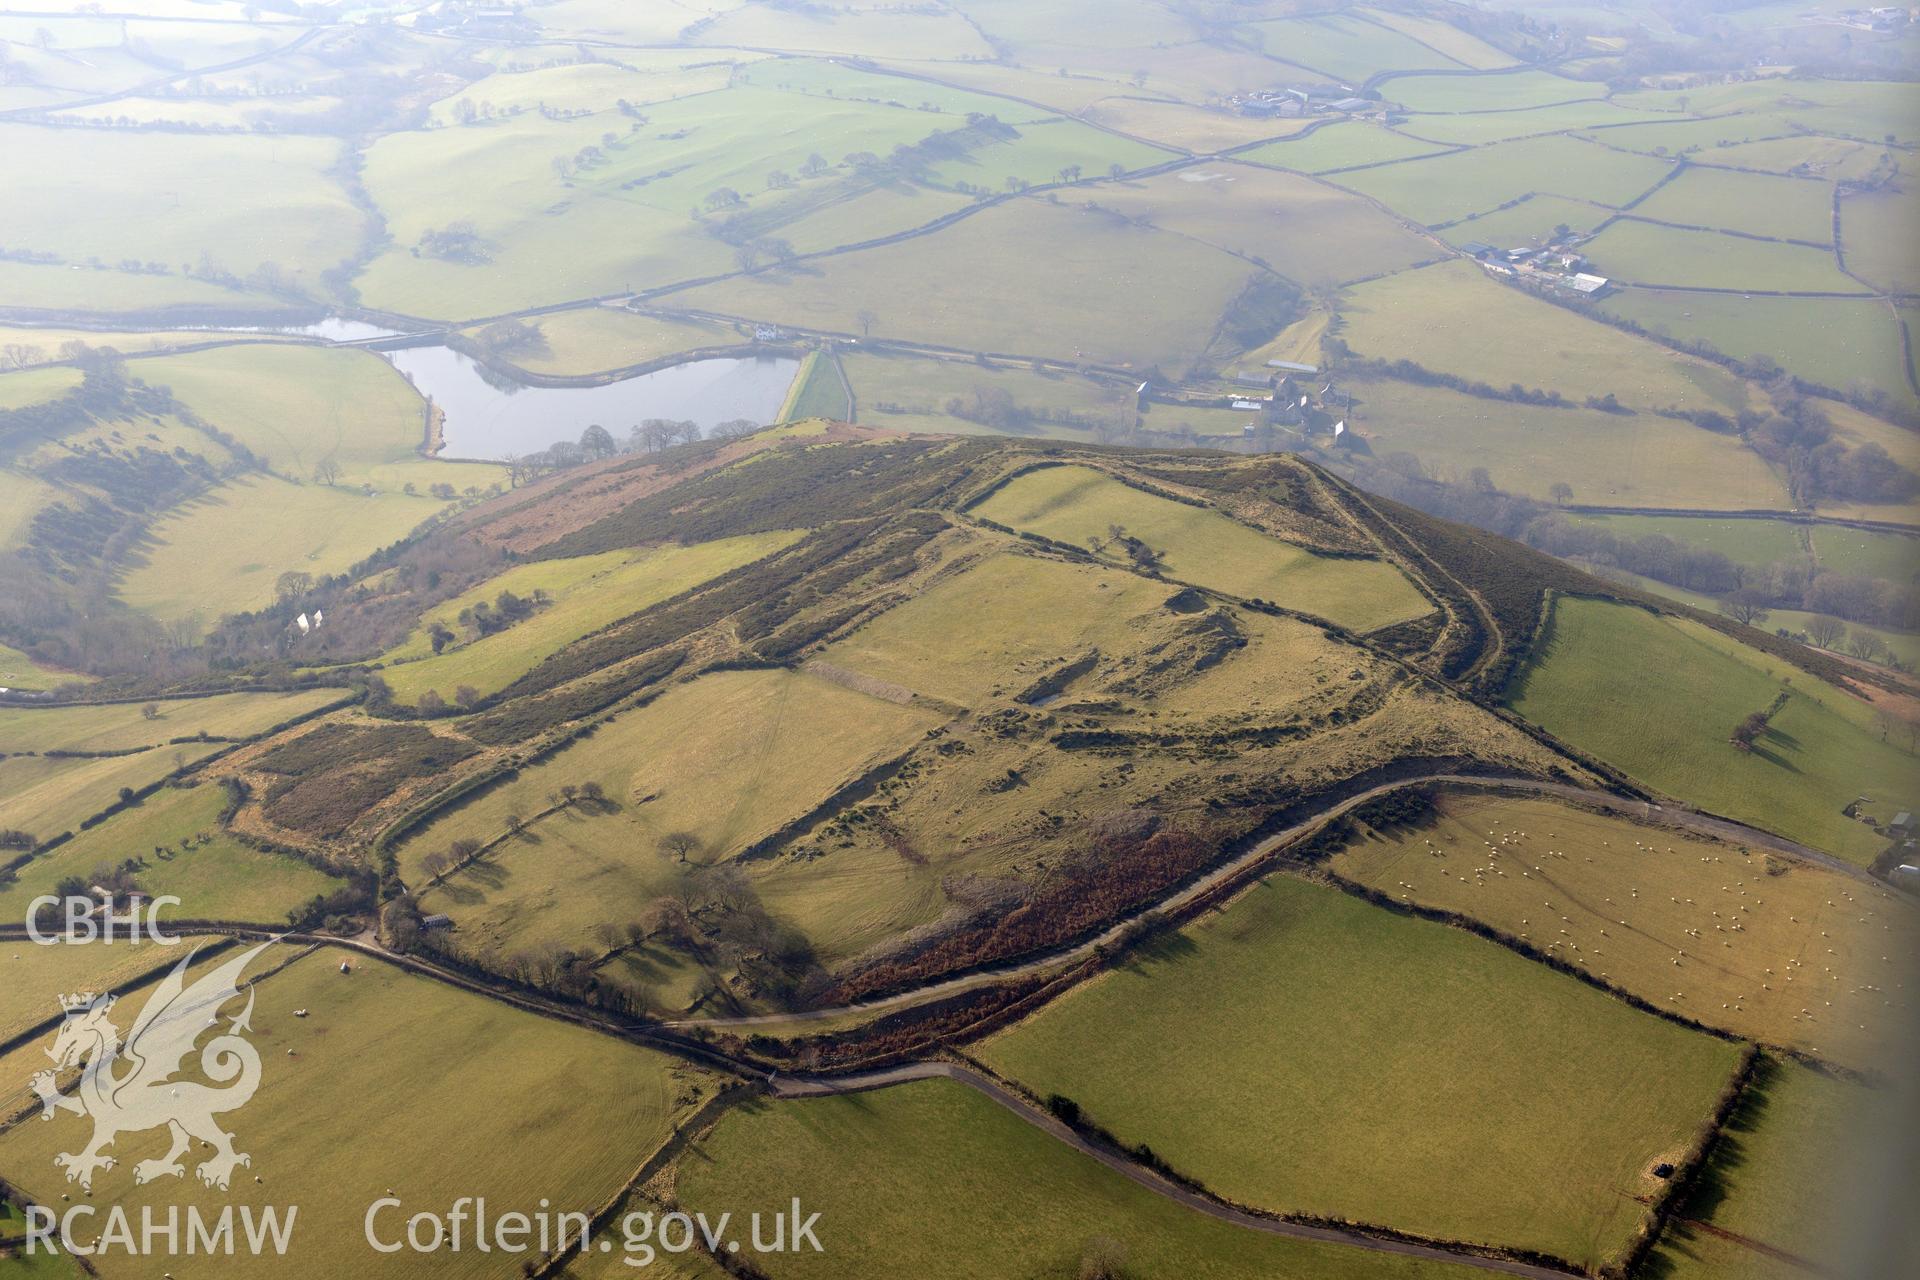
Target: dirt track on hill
[(1253, 861)]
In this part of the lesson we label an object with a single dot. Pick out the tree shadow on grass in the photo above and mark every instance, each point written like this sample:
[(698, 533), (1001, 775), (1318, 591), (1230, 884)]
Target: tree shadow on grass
[(1166, 947)]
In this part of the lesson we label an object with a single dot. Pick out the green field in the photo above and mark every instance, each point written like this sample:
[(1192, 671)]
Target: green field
[(1502, 336), (45, 797), (1079, 505), (1301, 229), (126, 725), (37, 976), (1753, 543), (1304, 1051), (20, 671), (221, 553), (1642, 253), (1612, 675), (1781, 951), (1344, 145), (933, 1180), (597, 339), (1439, 35), (1443, 188), (620, 217), (1833, 342), (1782, 208), (301, 406), (588, 593), (1531, 223), (1079, 277), (175, 836), (1796, 1163), (1514, 92), (1498, 126), (1893, 556), (1877, 228), (911, 394), (235, 203), (1348, 47), (1608, 459), (544, 1111)]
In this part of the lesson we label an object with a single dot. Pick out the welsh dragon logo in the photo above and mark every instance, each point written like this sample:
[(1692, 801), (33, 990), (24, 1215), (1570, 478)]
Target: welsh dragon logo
[(130, 1087)]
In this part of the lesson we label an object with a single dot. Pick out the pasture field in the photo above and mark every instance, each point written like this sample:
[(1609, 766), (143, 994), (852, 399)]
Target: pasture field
[(34, 386), (729, 757), (1770, 948), (1021, 613), (583, 86), (1754, 543), (235, 201), (1456, 94), (931, 1179), (1498, 126), (1359, 1039), (1502, 336), (45, 797), (1530, 223), (1445, 38), (1079, 276), (1787, 1176), (22, 497), (1830, 158), (1344, 145), (123, 726), (1079, 505), (619, 218), (1444, 188), (851, 29), (1303, 230), (1760, 205), (1203, 130), (1348, 47), (1833, 342), (175, 837), (1904, 645), (1642, 253), (107, 292), (42, 343), (1609, 459), (589, 592), (35, 976), (300, 406), (547, 1112), (221, 552), (1877, 229), (20, 671), (914, 394), (1860, 109), (1893, 556), (1611, 675), (598, 339)]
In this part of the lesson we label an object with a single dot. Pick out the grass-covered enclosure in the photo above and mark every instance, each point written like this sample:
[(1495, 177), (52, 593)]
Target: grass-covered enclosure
[(1610, 676), (1307, 1052), (1080, 505)]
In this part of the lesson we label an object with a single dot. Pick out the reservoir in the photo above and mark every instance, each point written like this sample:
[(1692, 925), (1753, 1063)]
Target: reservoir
[(490, 417)]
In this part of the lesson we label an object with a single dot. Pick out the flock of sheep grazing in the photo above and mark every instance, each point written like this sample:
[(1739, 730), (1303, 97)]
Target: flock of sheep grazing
[(1505, 855)]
